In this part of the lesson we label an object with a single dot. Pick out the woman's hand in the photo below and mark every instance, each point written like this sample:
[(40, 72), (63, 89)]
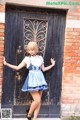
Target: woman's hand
[(4, 61), (15, 67), (53, 61), (48, 67)]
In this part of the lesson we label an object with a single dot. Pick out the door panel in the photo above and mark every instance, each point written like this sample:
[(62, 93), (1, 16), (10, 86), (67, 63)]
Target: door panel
[(47, 27), (32, 29)]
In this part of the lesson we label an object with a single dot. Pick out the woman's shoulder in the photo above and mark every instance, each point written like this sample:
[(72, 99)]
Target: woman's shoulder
[(26, 58), (41, 58)]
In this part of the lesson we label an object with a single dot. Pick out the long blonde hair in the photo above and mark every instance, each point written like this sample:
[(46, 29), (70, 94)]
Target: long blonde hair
[(32, 46)]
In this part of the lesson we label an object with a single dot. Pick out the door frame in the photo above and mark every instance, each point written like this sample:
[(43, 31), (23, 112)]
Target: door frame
[(9, 102)]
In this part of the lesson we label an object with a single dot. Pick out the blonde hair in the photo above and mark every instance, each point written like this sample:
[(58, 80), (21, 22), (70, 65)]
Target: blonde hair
[(32, 46)]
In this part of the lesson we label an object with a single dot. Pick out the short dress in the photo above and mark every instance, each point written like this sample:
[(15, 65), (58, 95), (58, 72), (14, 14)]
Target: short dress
[(35, 80)]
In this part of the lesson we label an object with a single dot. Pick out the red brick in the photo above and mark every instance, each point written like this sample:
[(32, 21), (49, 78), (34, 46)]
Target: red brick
[(1, 42), (1, 34), (2, 8), (69, 29), (77, 30), (1, 53), (2, 26), (2, 49)]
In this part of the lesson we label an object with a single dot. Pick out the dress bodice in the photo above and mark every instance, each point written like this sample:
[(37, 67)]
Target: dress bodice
[(32, 67), (34, 60)]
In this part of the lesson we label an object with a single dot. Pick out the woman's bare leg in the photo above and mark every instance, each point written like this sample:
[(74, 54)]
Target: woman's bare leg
[(36, 102), (37, 108)]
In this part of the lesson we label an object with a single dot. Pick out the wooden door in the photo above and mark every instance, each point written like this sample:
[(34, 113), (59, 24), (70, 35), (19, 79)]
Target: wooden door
[(24, 24)]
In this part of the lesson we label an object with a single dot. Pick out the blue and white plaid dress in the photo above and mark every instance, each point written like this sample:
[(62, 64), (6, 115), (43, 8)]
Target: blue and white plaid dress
[(35, 80)]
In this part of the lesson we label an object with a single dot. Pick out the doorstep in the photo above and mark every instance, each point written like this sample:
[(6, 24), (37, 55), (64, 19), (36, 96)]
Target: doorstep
[(37, 119)]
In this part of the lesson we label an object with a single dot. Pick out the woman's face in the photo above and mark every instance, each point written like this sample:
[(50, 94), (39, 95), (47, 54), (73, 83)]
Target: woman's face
[(32, 52)]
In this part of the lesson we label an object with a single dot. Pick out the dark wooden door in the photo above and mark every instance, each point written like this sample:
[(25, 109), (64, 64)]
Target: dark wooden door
[(24, 24)]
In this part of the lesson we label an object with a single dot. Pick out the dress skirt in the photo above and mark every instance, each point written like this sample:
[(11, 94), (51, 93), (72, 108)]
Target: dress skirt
[(35, 81)]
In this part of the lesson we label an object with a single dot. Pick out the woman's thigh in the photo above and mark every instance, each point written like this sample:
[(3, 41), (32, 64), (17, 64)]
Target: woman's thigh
[(36, 95)]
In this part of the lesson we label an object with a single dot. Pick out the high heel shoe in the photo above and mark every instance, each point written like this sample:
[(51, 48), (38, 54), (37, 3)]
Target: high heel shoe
[(29, 118), (27, 111)]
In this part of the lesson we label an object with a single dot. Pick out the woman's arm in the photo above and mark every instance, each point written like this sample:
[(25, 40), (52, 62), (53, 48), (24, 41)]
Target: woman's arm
[(48, 67), (15, 67)]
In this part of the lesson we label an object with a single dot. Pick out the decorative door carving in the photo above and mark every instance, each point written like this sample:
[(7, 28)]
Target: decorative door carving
[(35, 30)]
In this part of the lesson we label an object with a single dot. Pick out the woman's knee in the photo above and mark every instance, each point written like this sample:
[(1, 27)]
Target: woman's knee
[(38, 100), (36, 97)]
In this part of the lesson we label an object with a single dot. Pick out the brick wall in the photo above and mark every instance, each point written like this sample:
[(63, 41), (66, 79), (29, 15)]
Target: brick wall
[(71, 66), (2, 9), (70, 97)]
